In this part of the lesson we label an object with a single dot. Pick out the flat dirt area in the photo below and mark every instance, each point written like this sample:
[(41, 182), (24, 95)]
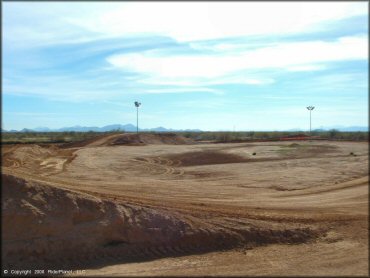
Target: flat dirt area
[(163, 205)]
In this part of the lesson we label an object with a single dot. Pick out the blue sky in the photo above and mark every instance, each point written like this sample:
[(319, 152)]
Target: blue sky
[(206, 65)]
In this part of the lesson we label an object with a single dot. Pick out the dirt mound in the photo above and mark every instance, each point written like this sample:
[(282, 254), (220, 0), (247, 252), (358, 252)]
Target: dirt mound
[(151, 138), (18, 155), (133, 139), (38, 159), (44, 226), (86, 142)]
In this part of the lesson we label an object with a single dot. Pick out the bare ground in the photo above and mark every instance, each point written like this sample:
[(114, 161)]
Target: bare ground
[(154, 205)]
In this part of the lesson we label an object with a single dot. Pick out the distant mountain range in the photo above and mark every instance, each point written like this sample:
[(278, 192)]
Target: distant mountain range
[(337, 127), (132, 128), (77, 128), (346, 128)]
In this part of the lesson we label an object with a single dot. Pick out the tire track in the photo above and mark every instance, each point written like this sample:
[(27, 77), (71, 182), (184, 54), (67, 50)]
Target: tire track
[(190, 208), (159, 166)]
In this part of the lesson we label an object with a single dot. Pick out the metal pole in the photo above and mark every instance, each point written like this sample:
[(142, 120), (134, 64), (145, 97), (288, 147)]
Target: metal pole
[(137, 120), (137, 104), (310, 108)]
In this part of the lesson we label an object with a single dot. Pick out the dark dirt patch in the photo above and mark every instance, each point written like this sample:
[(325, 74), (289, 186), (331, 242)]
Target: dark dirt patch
[(128, 139), (148, 138), (294, 145), (206, 158), (203, 174)]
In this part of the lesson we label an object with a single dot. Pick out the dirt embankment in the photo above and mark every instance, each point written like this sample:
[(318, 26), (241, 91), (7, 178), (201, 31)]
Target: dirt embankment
[(132, 139), (45, 226), (155, 138)]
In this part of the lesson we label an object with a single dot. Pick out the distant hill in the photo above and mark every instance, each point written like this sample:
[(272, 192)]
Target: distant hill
[(107, 128), (128, 127), (78, 128), (344, 128), (26, 130), (42, 129)]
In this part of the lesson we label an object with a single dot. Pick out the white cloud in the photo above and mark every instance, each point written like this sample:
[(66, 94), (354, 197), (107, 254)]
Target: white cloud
[(184, 21), (195, 70), (306, 68), (36, 24), (192, 21), (182, 90), (248, 79), (24, 24)]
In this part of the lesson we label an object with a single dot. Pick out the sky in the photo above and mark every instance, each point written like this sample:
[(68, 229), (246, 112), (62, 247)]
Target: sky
[(193, 65)]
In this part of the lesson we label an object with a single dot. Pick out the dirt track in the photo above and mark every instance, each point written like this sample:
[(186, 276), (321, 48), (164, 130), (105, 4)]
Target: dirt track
[(168, 207)]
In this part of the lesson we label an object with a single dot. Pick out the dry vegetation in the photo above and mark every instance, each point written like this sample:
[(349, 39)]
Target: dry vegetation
[(122, 204), (65, 137)]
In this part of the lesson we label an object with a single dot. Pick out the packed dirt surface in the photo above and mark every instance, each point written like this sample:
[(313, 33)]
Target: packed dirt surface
[(164, 206)]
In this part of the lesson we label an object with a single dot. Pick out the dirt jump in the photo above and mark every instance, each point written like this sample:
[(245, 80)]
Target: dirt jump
[(161, 204)]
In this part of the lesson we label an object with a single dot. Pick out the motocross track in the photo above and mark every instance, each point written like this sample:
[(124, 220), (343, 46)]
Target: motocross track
[(163, 205)]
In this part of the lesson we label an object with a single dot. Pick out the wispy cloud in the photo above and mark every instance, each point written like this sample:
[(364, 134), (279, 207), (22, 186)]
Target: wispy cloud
[(278, 56), (333, 82), (198, 69), (182, 90)]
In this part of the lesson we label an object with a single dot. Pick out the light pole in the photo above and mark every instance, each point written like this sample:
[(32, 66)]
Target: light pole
[(137, 104), (310, 108)]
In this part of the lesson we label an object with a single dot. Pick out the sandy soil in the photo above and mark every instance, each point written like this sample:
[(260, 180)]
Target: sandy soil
[(157, 205)]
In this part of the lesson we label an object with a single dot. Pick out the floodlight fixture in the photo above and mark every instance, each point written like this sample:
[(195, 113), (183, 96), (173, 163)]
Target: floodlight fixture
[(310, 108), (137, 104)]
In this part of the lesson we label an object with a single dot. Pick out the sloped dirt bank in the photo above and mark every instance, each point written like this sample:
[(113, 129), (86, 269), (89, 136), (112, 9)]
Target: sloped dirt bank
[(45, 226), (132, 139)]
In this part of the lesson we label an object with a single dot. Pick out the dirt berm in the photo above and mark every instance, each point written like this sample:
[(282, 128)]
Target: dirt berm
[(46, 226), (132, 139)]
